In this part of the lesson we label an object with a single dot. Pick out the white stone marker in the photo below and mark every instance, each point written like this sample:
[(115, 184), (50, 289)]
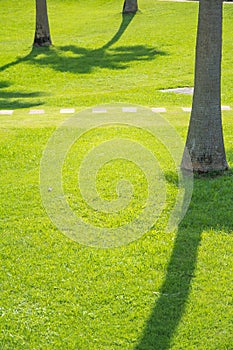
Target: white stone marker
[(159, 110), (6, 112), (67, 110)]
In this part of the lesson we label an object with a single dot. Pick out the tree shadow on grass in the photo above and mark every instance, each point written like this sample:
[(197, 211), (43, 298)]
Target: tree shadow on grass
[(82, 60), (210, 208), (16, 99)]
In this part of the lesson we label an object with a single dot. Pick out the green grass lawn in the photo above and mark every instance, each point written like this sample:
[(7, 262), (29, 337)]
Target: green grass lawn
[(166, 290)]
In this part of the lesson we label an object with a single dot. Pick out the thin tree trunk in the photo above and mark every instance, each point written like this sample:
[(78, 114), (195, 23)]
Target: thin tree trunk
[(130, 6), (42, 34), (205, 137)]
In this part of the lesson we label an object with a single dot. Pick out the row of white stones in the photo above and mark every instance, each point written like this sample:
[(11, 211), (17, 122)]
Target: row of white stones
[(103, 110)]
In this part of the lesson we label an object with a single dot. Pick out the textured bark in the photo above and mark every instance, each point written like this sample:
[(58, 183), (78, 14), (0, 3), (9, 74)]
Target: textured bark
[(130, 6), (42, 34), (205, 137)]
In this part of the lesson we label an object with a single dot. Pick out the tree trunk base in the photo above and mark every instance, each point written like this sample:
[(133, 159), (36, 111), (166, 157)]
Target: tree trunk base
[(130, 12), (204, 168), (42, 41)]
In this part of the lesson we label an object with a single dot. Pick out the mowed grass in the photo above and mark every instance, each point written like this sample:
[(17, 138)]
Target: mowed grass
[(167, 290)]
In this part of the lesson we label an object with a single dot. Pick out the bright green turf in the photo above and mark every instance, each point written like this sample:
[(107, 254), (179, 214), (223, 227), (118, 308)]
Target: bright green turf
[(164, 291)]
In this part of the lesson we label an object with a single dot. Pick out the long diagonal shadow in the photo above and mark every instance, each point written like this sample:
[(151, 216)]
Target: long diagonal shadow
[(173, 295), (126, 20), (82, 60)]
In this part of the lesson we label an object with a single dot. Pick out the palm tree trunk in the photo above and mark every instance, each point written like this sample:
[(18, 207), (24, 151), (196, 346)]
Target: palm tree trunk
[(42, 34), (130, 6), (205, 137)]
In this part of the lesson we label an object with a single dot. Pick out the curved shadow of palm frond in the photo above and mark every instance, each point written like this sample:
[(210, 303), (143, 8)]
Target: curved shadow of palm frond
[(82, 60), (17, 99), (85, 60)]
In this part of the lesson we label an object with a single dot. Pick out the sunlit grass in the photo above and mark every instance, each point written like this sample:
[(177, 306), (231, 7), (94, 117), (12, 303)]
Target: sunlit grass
[(167, 290)]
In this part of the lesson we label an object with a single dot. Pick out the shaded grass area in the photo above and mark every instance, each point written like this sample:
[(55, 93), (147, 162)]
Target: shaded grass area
[(168, 290), (81, 60)]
